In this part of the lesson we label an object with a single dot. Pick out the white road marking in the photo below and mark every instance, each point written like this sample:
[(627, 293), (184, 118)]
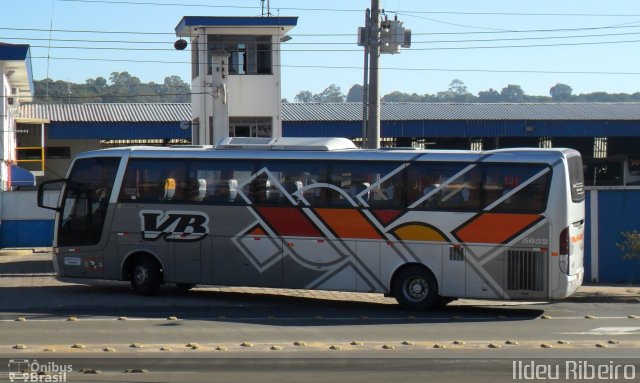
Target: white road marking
[(612, 331)]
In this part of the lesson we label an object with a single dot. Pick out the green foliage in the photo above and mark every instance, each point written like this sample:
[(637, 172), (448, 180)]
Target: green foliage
[(121, 87), (631, 244), (561, 92), (512, 93), (355, 94), (332, 93), (490, 95), (304, 96), (458, 92)]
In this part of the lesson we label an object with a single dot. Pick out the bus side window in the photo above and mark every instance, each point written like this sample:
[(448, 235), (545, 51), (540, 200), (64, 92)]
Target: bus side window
[(431, 183), (531, 198), (198, 189), (169, 189)]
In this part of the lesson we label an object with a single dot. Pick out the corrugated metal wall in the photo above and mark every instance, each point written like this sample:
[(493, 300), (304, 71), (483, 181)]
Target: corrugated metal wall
[(116, 130), (618, 211)]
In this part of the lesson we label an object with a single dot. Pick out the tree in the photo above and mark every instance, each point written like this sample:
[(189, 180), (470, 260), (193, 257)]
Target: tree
[(122, 87), (304, 96), (490, 95), (457, 87), (355, 94), (332, 93), (561, 92), (512, 93), (395, 97)]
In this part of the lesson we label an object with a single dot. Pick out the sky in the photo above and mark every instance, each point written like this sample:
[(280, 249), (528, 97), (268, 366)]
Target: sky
[(589, 45)]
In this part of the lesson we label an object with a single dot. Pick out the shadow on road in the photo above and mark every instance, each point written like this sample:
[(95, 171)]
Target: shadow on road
[(116, 299), (26, 267)]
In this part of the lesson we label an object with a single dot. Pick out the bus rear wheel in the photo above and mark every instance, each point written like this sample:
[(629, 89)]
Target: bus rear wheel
[(146, 276), (416, 288)]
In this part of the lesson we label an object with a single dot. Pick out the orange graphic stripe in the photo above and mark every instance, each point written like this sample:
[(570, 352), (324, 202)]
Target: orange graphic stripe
[(418, 232), (495, 227), (348, 223)]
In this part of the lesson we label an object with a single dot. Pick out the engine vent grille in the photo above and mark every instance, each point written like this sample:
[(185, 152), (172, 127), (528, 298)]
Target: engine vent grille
[(525, 270), (456, 253)]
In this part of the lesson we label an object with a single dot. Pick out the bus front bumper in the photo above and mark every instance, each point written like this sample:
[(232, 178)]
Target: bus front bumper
[(568, 285)]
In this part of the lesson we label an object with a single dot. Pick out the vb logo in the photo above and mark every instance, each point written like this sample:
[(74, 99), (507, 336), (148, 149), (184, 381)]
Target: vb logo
[(174, 225)]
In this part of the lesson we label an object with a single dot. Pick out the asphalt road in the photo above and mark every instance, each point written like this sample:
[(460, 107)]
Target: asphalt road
[(251, 334)]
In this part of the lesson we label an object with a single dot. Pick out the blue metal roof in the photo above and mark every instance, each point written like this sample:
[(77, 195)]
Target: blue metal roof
[(21, 55), (233, 21), (16, 52)]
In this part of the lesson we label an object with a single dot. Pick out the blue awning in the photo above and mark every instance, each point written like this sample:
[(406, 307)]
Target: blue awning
[(22, 177)]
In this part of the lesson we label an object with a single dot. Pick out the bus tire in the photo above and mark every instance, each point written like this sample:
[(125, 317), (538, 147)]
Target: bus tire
[(185, 286), (416, 288), (146, 276)]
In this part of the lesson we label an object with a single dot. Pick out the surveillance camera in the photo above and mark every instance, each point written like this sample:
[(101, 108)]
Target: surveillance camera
[(180, 44)]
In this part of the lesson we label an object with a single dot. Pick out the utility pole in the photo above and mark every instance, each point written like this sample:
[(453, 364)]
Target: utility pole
[(377, 37), (219, 128), (365, 83), (373, 124)]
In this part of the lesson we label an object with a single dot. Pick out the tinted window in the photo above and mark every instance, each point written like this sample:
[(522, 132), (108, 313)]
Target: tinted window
[(287, 182), (576, 178), (87, 194), (214, 181), (391, 191), (517, 188), (154, 180), (353, 181), (438, 186)]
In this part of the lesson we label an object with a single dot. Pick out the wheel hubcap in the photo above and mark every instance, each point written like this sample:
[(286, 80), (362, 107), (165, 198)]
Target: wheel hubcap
[(416, 289), (140, 275)]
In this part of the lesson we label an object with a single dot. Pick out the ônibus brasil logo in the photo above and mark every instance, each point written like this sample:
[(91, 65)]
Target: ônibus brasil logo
[(174, 225), (25, 370)]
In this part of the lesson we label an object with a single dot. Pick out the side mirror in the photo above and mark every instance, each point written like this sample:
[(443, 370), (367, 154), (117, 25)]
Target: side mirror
[(43, 187)]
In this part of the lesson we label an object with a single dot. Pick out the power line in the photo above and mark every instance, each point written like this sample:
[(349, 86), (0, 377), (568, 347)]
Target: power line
[(87, 40), (530, 30), (308, 43), (318, 50), (535, 14), (125, 2), (86, 31), (360, 68), (471, 70), (450, 23), (415, 33)]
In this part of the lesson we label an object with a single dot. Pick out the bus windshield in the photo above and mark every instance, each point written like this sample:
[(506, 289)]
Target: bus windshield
[(87, 193)]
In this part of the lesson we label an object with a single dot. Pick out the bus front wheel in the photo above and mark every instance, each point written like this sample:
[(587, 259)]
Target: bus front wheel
[(146, 276), (416, 288)]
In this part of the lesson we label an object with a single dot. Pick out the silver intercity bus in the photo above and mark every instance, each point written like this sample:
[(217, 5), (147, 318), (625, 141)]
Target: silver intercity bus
[(424, 226)]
